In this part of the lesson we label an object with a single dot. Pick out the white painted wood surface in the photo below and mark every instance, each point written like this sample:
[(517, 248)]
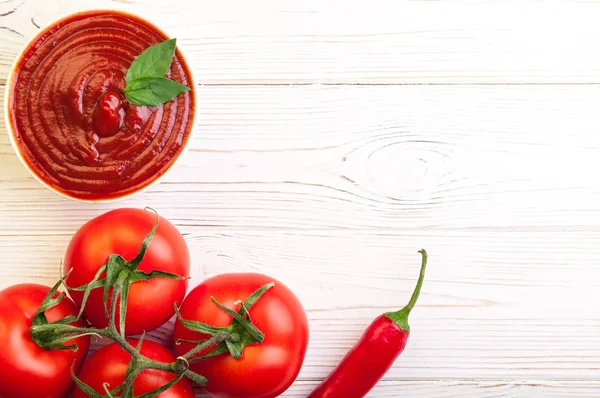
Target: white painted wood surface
[(337, 138)]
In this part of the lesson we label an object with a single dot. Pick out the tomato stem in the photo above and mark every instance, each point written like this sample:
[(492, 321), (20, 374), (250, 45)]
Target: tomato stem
[(127, 390), (113, 309), (216, 339), (106, 390), (119, 275), (233, 338), (55, 334)]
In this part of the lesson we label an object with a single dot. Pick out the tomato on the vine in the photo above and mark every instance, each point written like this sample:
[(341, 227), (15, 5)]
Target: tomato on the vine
[(122, 231), (109, 365), (27, 369), (264, 370)]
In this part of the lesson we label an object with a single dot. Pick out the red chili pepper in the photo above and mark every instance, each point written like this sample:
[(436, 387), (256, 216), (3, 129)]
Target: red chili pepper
[(373, 355)]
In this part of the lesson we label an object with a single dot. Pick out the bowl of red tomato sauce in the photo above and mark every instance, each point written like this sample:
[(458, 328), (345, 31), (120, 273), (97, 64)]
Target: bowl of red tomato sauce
[(68, 117)]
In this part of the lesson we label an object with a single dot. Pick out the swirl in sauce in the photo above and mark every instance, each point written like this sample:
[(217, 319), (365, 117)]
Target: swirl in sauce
[(71, 123)]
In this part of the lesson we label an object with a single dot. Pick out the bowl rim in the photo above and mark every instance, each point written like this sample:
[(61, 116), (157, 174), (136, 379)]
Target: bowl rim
[(11, 133)]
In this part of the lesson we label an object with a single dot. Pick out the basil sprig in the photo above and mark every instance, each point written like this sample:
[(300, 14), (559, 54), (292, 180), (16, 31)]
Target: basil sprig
[(146, 83)]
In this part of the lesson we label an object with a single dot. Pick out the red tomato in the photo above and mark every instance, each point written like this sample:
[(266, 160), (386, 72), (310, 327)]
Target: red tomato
[(265, 370), (121, 231), (29, 371), (109, 365)]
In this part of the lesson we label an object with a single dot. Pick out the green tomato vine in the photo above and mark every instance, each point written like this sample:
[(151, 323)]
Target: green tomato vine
[(119, 275)]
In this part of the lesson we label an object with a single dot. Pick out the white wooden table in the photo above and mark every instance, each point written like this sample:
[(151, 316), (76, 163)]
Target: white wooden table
[(336, 138)]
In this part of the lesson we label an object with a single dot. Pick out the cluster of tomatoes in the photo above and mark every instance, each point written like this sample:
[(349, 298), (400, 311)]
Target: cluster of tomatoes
[(264, 370)]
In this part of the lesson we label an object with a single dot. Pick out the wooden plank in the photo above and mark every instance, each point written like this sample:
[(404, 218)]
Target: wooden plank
[(376, 157), (468, 389), (496, 305), (375, 42), (334, 173)]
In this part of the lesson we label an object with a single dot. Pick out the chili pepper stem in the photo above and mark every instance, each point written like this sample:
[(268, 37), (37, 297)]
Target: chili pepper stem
[(400, 317)]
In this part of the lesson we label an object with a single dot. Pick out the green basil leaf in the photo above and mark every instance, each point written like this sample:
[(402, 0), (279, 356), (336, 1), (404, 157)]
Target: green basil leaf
[(152, 91), (155, 61)]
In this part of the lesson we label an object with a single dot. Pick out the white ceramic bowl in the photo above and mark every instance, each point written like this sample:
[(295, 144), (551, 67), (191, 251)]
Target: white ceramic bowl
[(11, 134)]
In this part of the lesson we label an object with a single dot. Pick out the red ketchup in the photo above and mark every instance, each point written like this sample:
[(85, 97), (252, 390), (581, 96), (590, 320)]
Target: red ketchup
[(70, 120)]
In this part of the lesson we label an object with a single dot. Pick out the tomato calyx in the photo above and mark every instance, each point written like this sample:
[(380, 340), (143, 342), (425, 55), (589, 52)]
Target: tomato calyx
[(55, 335), (233, 338), (137, 364), (120, 274)]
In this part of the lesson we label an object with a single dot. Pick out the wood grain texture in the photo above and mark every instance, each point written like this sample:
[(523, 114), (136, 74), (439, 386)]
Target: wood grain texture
[(369, 158), (335, 139), (488, 310), (381, 42), (466, 389)]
